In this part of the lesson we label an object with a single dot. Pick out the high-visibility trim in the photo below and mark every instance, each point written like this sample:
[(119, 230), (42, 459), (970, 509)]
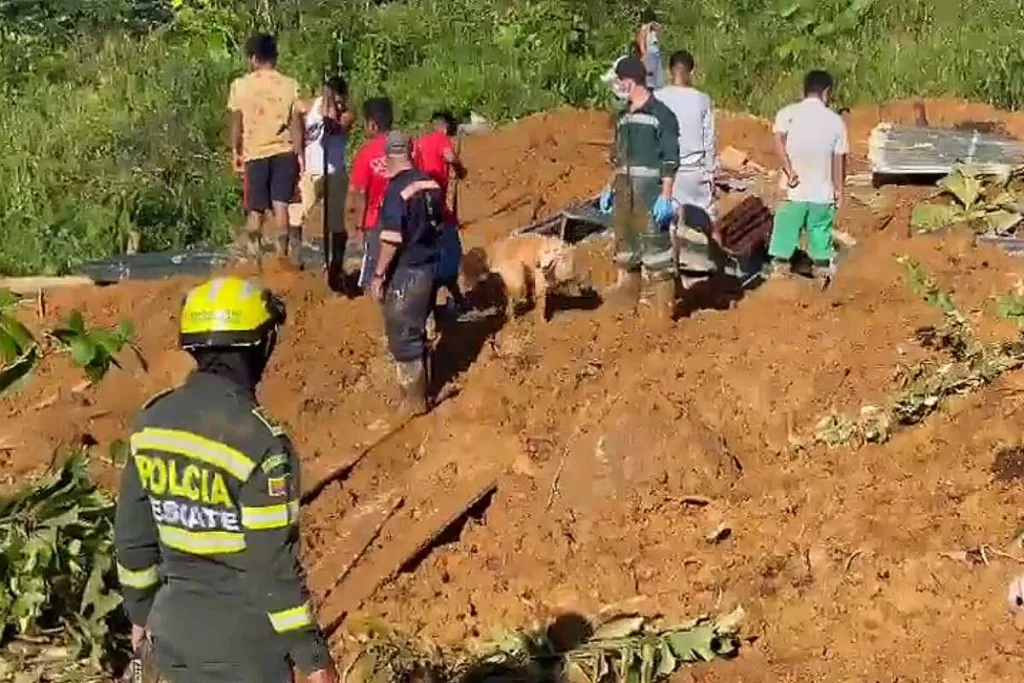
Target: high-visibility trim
[(270, 516), (194, 447), (640, 119), (140, 579), (291, 619), (201, 542), (638, 171)]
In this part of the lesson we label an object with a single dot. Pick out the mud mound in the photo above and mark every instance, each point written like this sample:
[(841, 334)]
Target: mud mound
[(598, 453)]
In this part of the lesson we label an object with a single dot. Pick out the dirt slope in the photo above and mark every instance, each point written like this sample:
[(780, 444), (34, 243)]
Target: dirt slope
[(835, 554)]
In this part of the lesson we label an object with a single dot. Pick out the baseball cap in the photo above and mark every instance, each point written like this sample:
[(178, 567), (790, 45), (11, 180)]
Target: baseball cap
[(633, 69), (397, 144)]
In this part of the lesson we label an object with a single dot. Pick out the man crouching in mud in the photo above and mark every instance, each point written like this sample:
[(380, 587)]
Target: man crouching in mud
[(411, 222)]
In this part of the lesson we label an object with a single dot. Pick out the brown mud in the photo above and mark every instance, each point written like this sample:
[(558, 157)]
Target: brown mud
[(845, 560)]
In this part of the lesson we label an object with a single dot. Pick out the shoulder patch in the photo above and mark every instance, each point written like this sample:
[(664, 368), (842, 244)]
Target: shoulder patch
[(277, 487), (153, 399), (274, 462), (261, 415)]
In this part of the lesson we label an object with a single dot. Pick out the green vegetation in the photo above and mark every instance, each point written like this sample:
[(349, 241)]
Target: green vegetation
[(623, 650), (987, 203), (57, 584), (19, 351), (95, 350), (92, 349), (113, 116)]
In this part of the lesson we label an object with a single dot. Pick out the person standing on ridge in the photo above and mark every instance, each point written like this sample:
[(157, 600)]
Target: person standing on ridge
[(650, 48), (812, 142), (693, 189), (435, 155), (266, 143), (206, 528), (640, 196), (411, 223), (368, 182), (327, 123)]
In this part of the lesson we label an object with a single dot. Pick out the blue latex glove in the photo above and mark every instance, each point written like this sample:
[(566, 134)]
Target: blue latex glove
[(606, 200), (663, 211)]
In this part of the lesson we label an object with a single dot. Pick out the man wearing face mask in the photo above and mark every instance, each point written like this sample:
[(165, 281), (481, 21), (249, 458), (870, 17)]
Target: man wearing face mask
[(646, 158)]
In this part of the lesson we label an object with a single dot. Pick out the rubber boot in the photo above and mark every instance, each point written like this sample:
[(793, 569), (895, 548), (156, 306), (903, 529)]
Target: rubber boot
[(412, 377), (625, 293), (336, 266)]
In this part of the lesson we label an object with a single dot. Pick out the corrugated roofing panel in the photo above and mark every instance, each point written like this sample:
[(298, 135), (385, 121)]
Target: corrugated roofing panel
[(911, 150)]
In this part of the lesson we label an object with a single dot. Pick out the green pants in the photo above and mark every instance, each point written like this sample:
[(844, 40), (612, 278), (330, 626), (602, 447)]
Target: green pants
[(639, 243), (791, 219)]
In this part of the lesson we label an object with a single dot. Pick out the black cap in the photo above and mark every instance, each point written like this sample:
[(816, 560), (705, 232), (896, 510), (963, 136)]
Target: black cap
[(633, 69)]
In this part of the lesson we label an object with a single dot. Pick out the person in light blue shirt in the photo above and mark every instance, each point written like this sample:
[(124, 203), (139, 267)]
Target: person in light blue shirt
[(650, 48)]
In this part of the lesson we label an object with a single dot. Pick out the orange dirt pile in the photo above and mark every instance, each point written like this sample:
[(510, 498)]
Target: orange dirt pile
[(837, 555)]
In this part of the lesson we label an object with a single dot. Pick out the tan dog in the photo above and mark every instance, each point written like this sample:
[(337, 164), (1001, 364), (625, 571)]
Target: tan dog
[(529, 266)]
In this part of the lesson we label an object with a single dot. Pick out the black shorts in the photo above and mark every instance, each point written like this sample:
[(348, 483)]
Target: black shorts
[(270, 180)]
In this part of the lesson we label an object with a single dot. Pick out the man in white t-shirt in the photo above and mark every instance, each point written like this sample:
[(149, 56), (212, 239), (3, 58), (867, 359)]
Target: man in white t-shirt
[(693, 186), (813, 144), (327, 122)]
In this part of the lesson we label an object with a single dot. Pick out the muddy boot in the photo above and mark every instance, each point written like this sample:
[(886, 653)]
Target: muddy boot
[(412, 377), (625, 293)]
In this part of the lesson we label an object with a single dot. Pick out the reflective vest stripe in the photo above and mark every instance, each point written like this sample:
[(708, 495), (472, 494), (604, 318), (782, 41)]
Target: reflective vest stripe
[(140, 579), (291, 619), (270, 516), (640, 120), (202, 542), (195, 447), (638, 171)]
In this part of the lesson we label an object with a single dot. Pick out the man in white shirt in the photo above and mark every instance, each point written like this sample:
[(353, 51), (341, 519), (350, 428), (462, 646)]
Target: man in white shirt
[(694, 183), (326, 125), (813, 143)]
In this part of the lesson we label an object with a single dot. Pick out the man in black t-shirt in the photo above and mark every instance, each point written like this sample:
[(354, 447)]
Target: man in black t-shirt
[(411, 221)]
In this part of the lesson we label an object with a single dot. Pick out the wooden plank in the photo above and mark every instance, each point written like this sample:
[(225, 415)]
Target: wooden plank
[(359, 530), (32, 285), (363, 581)]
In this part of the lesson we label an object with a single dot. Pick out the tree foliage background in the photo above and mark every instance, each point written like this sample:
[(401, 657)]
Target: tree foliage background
[(112, 116)]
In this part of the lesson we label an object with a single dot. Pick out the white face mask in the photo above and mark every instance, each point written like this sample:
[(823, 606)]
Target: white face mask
[(620, 89)]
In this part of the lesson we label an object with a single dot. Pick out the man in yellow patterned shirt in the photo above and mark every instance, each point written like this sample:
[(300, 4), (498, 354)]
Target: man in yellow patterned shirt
[(266, 140)]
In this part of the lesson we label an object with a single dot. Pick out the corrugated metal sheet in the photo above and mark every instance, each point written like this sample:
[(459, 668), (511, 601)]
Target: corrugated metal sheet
[(914, 150)]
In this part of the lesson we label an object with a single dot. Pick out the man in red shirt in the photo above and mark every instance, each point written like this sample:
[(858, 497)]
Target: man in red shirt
[(434, 155), (368, 181)]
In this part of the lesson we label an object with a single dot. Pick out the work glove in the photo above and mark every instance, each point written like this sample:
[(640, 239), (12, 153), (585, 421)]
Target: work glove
[(663, 211), (606, 200)]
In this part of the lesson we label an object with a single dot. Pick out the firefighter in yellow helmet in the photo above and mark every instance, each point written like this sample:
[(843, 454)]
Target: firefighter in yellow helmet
[(206, 530)]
